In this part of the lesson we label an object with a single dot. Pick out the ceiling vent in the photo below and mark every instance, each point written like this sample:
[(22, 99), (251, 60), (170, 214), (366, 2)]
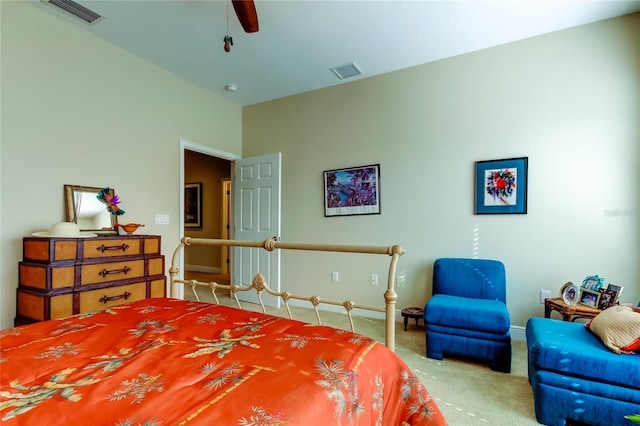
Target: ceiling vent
[(75, 9), (347, 70)]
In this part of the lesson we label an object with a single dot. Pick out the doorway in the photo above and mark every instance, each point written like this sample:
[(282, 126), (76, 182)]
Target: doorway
[(213, 170), (255, 196)]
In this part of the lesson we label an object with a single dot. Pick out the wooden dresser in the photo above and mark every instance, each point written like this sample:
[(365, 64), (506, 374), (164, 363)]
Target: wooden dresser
[(59, 277)]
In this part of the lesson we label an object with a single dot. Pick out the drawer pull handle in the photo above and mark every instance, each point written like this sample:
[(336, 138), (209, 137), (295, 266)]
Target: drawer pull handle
[(106, 272), (104, 299), (104, 248)]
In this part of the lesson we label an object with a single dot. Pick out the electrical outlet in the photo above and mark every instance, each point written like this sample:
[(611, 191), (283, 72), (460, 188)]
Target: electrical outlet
[(544, 294), (374, 279), (334, 276)]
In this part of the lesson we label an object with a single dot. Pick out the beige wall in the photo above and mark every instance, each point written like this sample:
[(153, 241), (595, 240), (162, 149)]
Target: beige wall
[(78, 110), (569, 101)]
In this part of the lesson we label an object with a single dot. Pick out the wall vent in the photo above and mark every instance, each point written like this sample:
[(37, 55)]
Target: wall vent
[(76, 9), (347, 70)]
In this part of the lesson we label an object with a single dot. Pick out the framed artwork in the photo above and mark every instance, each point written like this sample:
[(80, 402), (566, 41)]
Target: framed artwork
[(589, 298), (352, 191), (501, 186), (193, 205)]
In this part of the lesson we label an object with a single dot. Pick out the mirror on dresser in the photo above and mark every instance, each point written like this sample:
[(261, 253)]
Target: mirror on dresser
[(83, 208)]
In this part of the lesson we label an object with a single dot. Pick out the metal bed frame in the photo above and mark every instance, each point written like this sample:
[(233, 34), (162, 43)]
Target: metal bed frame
[(259, 283)]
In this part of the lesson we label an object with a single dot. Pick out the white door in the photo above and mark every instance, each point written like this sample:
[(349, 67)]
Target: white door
[(256, 217)]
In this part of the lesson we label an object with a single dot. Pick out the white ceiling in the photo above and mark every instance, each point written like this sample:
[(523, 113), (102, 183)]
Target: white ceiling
[(299, 41)]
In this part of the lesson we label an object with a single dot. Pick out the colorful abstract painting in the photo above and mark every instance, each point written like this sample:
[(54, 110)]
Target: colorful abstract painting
[(501, 186)]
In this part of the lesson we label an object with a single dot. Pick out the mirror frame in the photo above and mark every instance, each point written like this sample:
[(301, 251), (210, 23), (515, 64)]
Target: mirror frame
[(71, 210)]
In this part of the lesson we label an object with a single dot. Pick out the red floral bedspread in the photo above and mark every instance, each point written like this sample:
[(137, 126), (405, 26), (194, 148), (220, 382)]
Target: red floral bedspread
[(173, 362)]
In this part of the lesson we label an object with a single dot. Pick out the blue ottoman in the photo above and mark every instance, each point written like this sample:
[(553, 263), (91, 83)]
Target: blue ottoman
[(575, 377)]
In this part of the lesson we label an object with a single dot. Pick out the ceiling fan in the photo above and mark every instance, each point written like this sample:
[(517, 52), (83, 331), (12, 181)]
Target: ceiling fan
[(247, 15)]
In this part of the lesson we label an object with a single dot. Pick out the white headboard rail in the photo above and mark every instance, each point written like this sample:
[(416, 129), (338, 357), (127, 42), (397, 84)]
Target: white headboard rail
[(259, 283)]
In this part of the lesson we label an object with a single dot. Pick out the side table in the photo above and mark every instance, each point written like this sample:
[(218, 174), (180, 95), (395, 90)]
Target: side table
[(569, 313), (413, 312)]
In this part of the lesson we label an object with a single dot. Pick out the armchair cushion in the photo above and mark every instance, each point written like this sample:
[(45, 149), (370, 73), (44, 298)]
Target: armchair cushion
[(479, 314), (472, 278), (461, 333)]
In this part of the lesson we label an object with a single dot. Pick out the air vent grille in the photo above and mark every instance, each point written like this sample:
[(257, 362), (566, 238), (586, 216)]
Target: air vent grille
[(347, 70), (76, 9)]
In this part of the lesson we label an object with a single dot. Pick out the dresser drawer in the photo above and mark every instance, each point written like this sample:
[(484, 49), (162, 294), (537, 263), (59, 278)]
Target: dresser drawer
[(54, 277), (52, 250), (110, 247), (46, 277), (111, 271), (111, 296), (152, 244), (155, 265), (33, 307), (158, 287), (48, 250)]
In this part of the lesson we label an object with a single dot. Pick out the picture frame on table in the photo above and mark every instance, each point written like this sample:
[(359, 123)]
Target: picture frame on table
[(592, 282), (607, 298), (569, 294), (618, 289), (589, 298), (501, 186), (352, 191), (193, 205)]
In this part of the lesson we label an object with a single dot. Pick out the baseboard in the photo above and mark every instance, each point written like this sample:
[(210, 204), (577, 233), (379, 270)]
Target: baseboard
[(200, 268), (518, 333)]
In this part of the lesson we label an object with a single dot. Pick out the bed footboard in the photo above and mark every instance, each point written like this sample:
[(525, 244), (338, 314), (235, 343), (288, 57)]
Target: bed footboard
[(259, 283)]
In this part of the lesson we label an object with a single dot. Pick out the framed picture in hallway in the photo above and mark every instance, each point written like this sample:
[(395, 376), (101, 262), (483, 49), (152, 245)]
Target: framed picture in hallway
[(352, 191), (193, 205), (501, 186)]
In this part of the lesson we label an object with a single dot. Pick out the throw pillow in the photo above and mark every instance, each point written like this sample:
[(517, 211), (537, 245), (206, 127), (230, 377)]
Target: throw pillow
[(618, 327)]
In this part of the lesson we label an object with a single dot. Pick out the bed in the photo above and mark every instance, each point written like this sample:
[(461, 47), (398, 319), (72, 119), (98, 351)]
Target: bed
[(167, 361)]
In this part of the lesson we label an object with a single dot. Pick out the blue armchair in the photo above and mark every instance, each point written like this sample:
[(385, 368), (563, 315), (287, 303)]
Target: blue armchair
[(467, 314)]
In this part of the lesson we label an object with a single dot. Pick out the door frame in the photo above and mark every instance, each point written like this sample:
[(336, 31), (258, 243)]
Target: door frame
[(202, 149), (227, 223)]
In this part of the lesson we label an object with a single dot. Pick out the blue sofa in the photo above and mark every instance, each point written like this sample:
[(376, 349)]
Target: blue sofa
[(576, 378)]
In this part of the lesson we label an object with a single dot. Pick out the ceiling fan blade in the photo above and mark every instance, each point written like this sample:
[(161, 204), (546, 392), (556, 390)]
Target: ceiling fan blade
[(247, 15)]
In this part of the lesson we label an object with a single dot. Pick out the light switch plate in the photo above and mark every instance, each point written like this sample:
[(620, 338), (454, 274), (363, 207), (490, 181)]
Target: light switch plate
[(162, 219)]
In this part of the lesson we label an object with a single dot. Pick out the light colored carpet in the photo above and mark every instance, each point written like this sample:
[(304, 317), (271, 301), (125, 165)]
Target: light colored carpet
[(468, 393)]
